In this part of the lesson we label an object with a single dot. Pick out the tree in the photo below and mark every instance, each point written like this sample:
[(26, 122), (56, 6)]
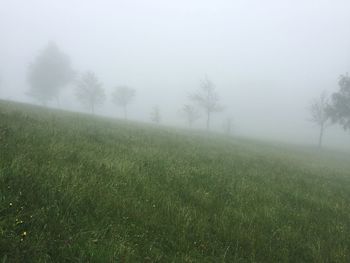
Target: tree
[(339, 109), (207, 99), (122, 96), (190, 113), (155, 115), (319, 115), (89, 91), (228, 125), (49, 73)]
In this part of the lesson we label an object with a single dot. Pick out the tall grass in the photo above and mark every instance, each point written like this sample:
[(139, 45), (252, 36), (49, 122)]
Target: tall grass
[(77, 188)]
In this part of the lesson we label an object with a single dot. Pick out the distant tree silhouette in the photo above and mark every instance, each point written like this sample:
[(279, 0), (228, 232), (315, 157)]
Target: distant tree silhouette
[(190, 113), (228, 125), (339, 109), (122, 96), (155, 115), (89, 91), (49, 73), (319, 115), (207, 99)]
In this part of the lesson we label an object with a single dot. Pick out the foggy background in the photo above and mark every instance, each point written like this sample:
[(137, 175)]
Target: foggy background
[(268, 59)]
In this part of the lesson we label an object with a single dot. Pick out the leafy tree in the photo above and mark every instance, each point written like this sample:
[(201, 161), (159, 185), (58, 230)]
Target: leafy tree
[(339, 109), (49, 73), (207, 99), (155, 115), (122, 96), (89, 91), (319, 116), (190, 113)]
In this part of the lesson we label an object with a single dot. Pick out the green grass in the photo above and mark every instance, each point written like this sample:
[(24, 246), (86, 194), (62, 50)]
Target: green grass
[(89, 189)]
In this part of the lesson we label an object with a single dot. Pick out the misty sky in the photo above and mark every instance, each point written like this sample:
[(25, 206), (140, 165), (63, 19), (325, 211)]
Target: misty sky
[(267, 58)]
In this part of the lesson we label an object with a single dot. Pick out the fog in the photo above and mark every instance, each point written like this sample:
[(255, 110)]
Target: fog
[(268, 59)]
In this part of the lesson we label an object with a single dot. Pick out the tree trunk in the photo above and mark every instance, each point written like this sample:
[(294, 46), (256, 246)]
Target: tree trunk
[(320, 139)]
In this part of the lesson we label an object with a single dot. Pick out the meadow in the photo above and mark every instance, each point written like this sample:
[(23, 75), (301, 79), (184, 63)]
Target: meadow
[(82, 188)]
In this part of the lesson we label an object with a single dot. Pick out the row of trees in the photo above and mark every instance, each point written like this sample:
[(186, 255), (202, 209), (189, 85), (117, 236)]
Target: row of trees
[(51, 72), (91, 94), (327, 110)]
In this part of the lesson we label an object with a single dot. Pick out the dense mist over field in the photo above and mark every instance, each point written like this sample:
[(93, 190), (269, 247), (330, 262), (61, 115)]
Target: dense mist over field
[(267, 59)]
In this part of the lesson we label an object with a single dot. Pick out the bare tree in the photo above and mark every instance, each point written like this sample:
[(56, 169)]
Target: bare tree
[(207, 99), (155, 115), (89, 91), (49, 73), (319, 116), (122, 96), (190, 113)]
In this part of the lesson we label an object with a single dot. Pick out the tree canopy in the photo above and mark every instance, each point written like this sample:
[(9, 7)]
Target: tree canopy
[(89, 91), (49, 73), (339, 109), (122, 96)]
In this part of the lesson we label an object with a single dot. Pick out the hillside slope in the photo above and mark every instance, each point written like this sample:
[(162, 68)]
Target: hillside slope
[(79, 188)]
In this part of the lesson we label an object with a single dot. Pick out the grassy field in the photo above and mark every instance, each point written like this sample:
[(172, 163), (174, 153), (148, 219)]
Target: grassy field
[(77, 188)]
